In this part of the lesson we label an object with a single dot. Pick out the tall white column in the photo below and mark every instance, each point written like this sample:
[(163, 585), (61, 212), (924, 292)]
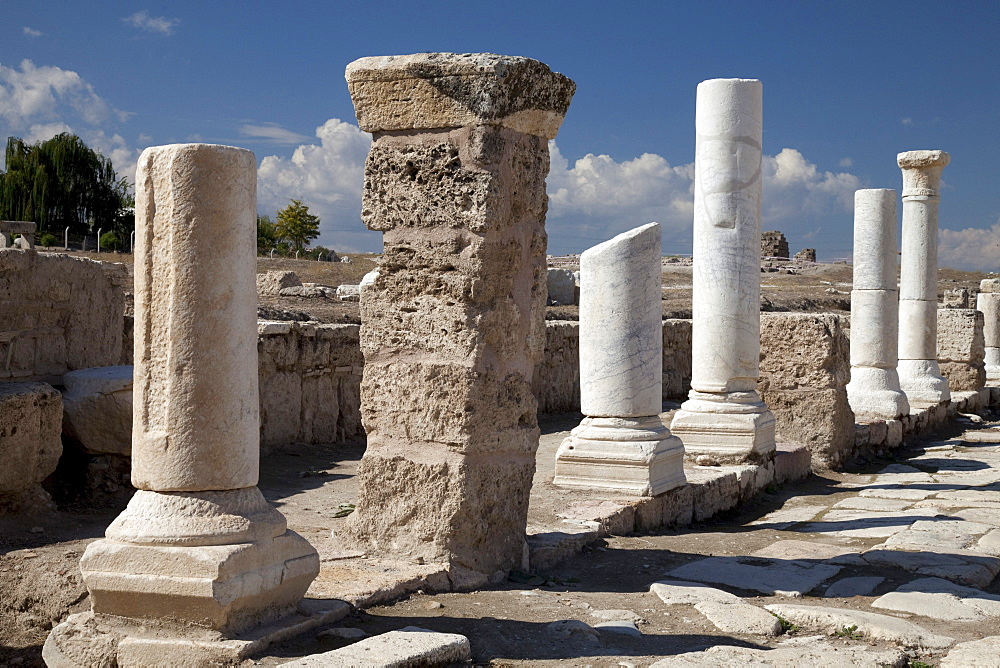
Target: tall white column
[(724, 416), (988, 301), (919, 374), (622, 445), (199, 557), (874, 391)]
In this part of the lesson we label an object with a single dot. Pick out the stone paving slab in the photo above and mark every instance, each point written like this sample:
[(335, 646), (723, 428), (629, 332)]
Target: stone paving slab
[(855, 586), (680, 592), (961, 566), (813, 652), (984, 653), (740, 617), (866, 624), (802, 549), (768, 576), (396, 649), (850, 523)]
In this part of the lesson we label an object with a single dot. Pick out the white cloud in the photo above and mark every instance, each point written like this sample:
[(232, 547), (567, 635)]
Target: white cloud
[(906, 121), (31, 32), (39, 102), (845, 162), (273, 134), (972, 249), (328, 178), (158, 24)]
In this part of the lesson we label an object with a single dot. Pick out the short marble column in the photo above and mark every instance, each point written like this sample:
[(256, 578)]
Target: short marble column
[(724, 417), (919, 374), (988, 301), (874, 391), (622, 445), (199, 558), (454, 321)]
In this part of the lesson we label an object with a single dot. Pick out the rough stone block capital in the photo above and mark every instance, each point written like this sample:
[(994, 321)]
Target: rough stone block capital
[(427, 91)]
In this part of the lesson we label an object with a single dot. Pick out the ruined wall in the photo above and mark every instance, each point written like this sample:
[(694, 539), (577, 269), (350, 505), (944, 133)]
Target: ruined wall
[(773, 244), (804, 370), (58, 313), (310, 379), (961, 348)]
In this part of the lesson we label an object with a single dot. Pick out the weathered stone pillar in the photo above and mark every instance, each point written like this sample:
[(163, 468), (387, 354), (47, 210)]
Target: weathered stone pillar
[(919, 374), (199, 557), (622, 446), (454, 323), (988, 301), (724, 417), (874, 391)]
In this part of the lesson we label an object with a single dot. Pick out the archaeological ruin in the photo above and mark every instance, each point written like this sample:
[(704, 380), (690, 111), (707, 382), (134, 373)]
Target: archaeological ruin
[(484, 455)]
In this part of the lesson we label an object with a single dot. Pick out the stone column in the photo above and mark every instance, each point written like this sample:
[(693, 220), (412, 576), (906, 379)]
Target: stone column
[(622, 446), (199, 558), (874, 392), (919, 374), (724, 418), (454, 321), (988, 301)]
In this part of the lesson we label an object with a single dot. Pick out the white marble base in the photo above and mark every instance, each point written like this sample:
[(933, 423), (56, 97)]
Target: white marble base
[(874, 394), (633, 456), (923, 383), (730, 427), (992, 364)]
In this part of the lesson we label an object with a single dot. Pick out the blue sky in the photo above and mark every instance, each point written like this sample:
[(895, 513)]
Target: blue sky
[(847, 85)]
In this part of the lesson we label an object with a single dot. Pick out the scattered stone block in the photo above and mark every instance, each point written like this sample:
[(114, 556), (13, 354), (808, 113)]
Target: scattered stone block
[(792, 462), (856, 586), (30, 446), (982, 653), (794, 652), (97, 409), (619, 627), (271, 283), (561, 287), (349, 293), (961, 348), (740, 618), (770, 577), (396, 649), (680, 592)]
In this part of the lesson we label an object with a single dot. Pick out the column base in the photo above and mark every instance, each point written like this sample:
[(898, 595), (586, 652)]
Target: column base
[(874, 394), (923, 383), (992, 365), (632, 456), (198, 567), (735, 427), (86, 639)]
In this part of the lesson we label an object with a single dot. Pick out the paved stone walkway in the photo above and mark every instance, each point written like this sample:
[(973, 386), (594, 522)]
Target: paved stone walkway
[(908, 557)]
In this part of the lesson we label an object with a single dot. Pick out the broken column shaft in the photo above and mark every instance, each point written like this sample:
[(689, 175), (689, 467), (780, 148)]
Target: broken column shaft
[(454, 322), (621, 445), (724, 417), (874, 391), (919, 374), (988, 301)]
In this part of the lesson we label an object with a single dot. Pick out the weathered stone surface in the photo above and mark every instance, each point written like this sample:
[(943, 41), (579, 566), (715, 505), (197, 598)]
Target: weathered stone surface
[(454, 324), (272, 282), (774, 244), (768, 576), (395, 649), (804, 371), (561, 286), (797, 652), (740, 618), (97, 409), (983, 653), (556, 382), (867, 624), (310, 383), (60, 313), (676, 358), (30, 424), (940, 599), (961, 348), (426, 91), (805, 255), (856, 586), (680, 592)]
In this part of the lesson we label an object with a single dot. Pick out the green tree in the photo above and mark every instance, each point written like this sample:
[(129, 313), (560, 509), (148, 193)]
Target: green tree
[(62, 182), (297, 226), (267, 234)]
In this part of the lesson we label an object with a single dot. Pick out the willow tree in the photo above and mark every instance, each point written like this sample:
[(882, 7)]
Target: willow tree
[(62, 182)]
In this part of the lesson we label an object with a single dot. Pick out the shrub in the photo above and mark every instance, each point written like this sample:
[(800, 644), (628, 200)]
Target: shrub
[(110, 242), (48, 240)]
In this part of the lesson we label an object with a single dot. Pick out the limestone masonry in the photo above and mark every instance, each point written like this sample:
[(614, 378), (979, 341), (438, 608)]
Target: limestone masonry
[(454, 321)]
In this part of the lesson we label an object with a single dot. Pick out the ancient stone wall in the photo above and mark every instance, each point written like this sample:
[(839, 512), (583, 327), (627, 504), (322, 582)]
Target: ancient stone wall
[(804, 371), (961, 348), (310, 379), (556, 383), (773, 244), (58, 313)]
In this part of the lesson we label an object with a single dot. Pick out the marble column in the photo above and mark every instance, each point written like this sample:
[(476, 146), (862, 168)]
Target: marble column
[(454, 321), (199, 559), (724, 417), (622, 445), (919, 374), (874, 391), (988, 301)]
